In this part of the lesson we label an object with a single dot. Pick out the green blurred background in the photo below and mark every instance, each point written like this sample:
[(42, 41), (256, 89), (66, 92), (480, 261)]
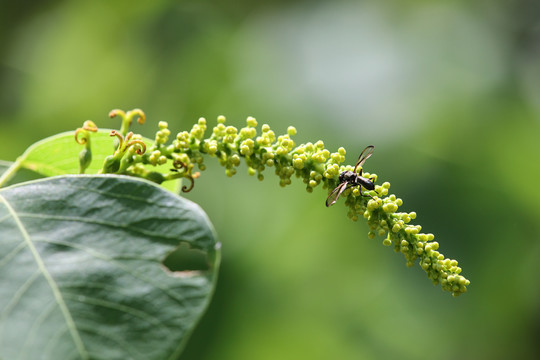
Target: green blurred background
[(447, 91)]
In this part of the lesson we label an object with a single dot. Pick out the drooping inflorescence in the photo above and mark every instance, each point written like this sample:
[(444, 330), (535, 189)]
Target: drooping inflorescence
[(311, 162)]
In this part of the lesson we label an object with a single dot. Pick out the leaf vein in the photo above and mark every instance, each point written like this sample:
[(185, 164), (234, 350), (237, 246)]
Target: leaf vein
[(35, 326), (4, 260), (117, 306), (98, 222), (19, 293)]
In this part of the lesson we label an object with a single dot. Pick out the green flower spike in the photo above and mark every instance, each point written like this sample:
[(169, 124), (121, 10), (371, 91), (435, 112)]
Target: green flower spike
[(316, 165), (311, 162)]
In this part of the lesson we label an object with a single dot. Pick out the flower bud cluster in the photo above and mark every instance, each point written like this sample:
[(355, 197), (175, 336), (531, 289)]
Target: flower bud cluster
[(384, 219), (311, 162), (162, 136), (259, 150)]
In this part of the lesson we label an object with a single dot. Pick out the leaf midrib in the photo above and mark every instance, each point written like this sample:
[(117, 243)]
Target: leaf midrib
[(54, 287)]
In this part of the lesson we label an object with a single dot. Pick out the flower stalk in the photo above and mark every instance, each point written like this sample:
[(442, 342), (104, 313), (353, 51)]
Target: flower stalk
[(82, 137)]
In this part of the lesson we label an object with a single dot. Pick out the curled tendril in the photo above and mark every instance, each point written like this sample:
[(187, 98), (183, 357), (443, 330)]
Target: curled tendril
[(191, 178), (140, 149), (128, 137), (88, 125), (119, 136), (136, 112), (116, 112), (127, 118), (127, 142), (188, 189), (177, 164), (83, 139)]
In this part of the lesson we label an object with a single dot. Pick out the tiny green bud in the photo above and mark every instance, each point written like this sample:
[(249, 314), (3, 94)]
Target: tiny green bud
[(298, 163), (85, 158), (244, 150), (372, 205), (291, 130), (111, 165), (235, 160), (162, 160), (251, 121)]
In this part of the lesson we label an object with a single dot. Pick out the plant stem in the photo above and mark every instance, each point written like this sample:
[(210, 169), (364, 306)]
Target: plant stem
[(11, 171)]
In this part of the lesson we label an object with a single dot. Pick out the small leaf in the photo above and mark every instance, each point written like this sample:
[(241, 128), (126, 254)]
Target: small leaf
[(81, 273), (59, 155)]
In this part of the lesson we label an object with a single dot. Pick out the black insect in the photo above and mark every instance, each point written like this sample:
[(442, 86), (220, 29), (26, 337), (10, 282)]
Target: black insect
[(349, 179)]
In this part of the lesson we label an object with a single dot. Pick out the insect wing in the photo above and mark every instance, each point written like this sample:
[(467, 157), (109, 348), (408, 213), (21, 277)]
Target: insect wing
[(366, 153), (334, 195)]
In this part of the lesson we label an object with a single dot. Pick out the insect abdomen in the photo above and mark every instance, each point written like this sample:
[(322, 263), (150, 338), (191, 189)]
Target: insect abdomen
[(366, 183)]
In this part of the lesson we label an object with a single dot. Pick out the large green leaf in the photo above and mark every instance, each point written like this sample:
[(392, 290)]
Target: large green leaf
[(81, 273), (59, 155)]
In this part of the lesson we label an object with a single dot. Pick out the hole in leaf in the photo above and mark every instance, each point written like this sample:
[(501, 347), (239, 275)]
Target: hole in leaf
[(185, 259)]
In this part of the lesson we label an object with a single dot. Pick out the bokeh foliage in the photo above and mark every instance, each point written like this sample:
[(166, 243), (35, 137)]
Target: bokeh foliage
[(447, 92)]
